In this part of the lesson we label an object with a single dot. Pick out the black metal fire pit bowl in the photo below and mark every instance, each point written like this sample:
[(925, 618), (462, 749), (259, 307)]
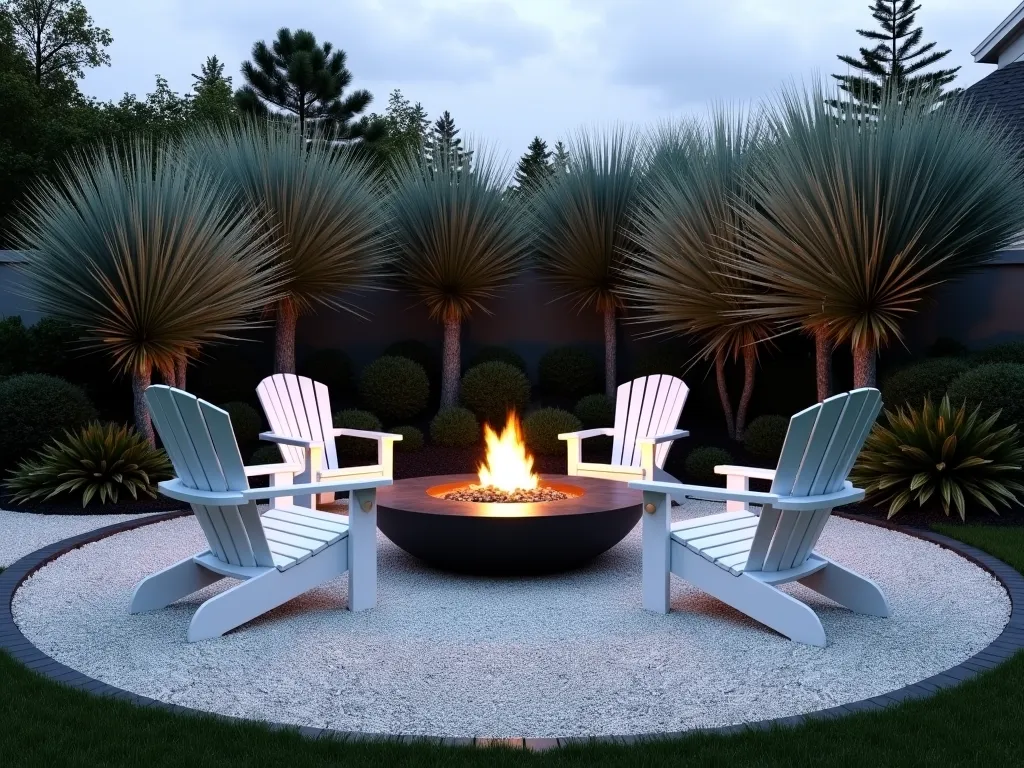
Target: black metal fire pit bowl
[(507, 539)]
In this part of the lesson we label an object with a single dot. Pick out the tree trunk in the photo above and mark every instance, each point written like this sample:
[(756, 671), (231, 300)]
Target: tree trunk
[(284, 343), (143, 424), (609, 352), (864, 361), (823, 362), (723, 394), (452, 364), (167, 374), (749, 373), (180, 367)]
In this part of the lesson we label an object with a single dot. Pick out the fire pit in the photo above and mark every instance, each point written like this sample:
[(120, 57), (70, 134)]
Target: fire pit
[(506, 520)]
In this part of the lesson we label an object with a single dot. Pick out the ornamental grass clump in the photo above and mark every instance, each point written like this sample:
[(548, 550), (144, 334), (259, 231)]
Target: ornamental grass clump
[(935, 453), (103, 461)]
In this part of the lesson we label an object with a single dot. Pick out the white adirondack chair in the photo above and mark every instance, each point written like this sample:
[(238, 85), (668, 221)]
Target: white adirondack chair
[(299, 412), (277, 556), (740, 557), (646, 414)]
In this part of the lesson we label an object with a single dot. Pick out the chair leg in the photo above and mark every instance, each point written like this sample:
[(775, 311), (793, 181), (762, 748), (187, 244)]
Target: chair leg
[(656, 543), (761, 602), (163, 588), (362, 549), (859, 594)]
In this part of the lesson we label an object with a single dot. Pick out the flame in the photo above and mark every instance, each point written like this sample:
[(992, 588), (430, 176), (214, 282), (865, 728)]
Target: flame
[(507, 466)]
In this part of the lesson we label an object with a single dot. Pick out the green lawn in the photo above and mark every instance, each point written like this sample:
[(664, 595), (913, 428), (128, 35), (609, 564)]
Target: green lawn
[(977, 723)]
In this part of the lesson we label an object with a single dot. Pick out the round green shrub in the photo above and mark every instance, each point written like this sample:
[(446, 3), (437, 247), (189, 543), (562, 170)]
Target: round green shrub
[(910, 385), (34, 409), (501, 354), (419, 352), (595, 411), (455, 427), (765, 435), (542, 428), (491, 390), (701, 462), (568, 372), (245, 420), (357, 448), (332, 368), (1008, 352), (994, 387), (15, 346), (394, 387), (266, 454), (412, 439)]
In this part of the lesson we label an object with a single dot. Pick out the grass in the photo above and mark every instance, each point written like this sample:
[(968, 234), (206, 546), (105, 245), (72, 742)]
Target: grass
[(977, 723)]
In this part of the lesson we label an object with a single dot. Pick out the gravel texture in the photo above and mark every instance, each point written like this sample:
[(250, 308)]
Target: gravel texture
[(25, 532), (565, 655)]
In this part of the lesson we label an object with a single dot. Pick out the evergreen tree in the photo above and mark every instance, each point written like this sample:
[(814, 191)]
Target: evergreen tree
[(559, 159), (298, 76), (404, 125), (898, 59), (534, 167), (443, 141), (214, 98)]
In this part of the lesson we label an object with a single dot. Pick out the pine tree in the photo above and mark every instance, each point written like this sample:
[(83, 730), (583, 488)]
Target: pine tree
[(213, 99), (559, 159), (898, 59), (534, 167), (443, 140)]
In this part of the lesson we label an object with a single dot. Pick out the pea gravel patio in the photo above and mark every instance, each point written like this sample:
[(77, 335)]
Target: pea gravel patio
[(567, 655)]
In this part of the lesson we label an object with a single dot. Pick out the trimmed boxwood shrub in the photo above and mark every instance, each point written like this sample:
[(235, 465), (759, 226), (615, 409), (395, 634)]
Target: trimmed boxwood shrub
[(419, 352), (357, 448), (701, 462), (412, 439), (542, 428), (910, 385), (491, 390), (1008, 352), (394, 388), (501, 354), (333, 368), (765, 435), (569, 372), (455, 427), (595, 411), (994, 387), (34, 409), (245, 420), (266, 454)]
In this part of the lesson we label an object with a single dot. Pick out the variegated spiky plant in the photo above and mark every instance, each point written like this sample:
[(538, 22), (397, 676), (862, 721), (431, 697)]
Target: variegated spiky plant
[(458, 240), (144, 254), (322, 204), (942, 455)]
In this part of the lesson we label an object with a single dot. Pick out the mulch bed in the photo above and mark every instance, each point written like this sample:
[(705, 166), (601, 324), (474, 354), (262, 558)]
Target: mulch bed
[(73, 506)]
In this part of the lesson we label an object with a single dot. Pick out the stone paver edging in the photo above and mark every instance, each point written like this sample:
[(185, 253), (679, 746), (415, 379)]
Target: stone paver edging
[(22, 650)]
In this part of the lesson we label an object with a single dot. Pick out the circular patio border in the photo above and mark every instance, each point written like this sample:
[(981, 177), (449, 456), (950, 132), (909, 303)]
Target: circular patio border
[(1002, 648)]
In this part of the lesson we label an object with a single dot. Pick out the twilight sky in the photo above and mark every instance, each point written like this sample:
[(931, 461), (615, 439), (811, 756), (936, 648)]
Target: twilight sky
[(511, 69)]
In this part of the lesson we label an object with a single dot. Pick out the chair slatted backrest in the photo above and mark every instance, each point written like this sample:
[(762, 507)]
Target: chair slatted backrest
[(297, 406), (646, 407), (821, 447), (201, 444)]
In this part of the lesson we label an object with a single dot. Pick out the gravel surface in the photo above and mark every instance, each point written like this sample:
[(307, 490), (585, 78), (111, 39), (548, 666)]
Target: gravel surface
[(25, 532), (572, 654)]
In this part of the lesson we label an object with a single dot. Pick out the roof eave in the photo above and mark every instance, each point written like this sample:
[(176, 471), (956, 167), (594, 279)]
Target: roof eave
[(988, 51)]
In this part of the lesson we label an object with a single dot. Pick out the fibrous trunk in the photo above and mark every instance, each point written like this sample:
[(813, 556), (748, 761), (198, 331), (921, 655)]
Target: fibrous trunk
[(863, 366), (167, 374), (823, 362), (180, 367), (452, 370), (723, 394), (143, 424), (284, 342), (749, 372), (609, 352)]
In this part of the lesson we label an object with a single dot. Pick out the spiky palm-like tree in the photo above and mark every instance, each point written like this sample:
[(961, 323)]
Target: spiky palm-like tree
[(323, 207), (145, 255), (686, 222), (853, 220), (582, 222), (458, 240)]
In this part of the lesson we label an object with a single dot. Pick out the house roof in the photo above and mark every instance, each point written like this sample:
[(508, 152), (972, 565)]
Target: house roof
[(1009, 30), (1001, 94)]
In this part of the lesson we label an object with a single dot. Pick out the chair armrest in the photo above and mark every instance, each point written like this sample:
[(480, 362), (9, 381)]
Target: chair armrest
[(300, 442), (385, 436), (258, 470), (754, 472), (668, 437), (585, 433), (704, 492), (301, 489), (176, 489)]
